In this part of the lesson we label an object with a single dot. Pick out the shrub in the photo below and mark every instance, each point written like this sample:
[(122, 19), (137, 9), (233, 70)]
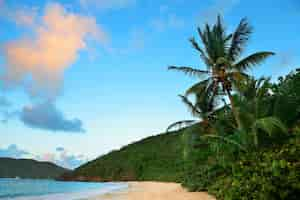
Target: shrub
[(268, 174)]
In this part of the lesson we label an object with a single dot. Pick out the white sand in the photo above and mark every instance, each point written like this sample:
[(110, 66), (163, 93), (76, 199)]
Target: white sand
[(154, 191)]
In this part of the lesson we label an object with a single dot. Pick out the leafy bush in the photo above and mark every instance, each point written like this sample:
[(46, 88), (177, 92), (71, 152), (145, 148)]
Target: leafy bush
[(201, 177), (269, 174), (269, 168)]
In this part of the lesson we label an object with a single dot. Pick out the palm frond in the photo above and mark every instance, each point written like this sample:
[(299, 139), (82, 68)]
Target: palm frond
[(237, 77), (229, 37), (269, 125), (220, 39), (198, 88), (224, 139), (193, 109), (180, 124), (252, 60), (209, 45), (214, 40), (203, 37), (211, 96), (203, 54), (263, 87), (190, 71), (239, 39)]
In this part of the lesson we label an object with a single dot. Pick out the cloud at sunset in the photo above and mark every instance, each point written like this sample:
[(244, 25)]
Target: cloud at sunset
[(39, 60)]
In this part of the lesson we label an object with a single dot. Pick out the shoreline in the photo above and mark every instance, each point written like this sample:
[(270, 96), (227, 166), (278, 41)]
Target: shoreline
[(153, 191)]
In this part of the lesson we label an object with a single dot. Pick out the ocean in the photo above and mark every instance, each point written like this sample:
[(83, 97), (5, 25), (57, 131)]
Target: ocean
[(28, 189)]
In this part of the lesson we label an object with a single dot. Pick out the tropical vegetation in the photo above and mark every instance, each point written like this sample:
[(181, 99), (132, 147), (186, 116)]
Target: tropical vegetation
[(153, 158), (252, 142), (244, 139)]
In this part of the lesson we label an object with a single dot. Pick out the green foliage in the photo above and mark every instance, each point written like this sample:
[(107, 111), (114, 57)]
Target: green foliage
[(272, 173), (198, 178), (287, 106), (26, 168), (270, 166), (155, 158)]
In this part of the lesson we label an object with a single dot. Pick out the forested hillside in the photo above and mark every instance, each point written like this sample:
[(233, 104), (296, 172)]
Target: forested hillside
[(27, 168), (154, 158)]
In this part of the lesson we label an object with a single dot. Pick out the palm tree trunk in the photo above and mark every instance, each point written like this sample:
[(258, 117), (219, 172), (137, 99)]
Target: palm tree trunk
[(234, 110)]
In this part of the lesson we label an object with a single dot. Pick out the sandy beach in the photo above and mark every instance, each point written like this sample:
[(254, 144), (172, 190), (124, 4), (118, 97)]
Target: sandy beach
[(154, 191)]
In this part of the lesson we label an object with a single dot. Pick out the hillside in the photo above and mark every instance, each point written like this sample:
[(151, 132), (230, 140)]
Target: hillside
[(27, 168), (154, 158)]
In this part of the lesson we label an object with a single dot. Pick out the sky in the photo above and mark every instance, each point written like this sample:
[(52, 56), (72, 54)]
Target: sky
[(79, 78)]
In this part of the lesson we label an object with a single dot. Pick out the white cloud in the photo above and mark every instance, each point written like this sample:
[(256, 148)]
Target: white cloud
[(63, 158), (13, 151), (107, 4), (219, 7), (172, 21), (60, 157), (23, 16)]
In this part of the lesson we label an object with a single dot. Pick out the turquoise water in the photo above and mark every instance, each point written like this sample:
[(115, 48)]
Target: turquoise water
[(27, 189)]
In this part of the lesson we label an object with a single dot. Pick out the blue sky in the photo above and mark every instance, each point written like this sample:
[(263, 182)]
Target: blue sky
[(104, 82)]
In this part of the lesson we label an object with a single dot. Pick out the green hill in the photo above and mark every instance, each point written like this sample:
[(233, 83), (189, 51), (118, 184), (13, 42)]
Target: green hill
[(154, 158), (27, 168)]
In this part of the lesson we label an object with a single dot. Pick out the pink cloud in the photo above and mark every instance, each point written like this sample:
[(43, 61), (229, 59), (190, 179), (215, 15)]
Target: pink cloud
[(41, 59), (50, 157)]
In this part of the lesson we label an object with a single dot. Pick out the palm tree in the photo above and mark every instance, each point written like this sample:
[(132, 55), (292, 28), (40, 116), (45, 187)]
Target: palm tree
[(202, 109), (256, 104), (221, 54)]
